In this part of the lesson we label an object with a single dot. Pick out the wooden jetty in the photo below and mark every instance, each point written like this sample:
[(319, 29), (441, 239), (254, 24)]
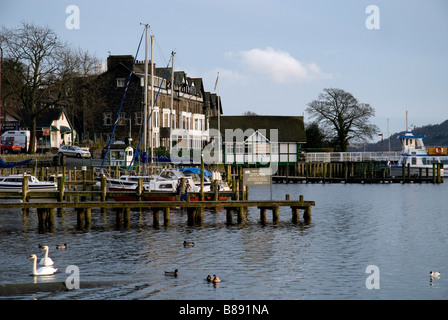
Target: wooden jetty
[(355, 172), (83, 201)]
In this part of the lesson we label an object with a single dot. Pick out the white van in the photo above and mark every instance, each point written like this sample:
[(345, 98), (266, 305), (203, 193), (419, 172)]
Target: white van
[(20, 138)]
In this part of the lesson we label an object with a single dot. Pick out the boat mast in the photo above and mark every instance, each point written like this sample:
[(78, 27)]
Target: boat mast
[(145, 107), (152, 144), (170, 123)]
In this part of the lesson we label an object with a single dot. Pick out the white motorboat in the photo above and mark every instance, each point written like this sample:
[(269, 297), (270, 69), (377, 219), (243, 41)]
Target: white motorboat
[(416, 156), (14, 183)]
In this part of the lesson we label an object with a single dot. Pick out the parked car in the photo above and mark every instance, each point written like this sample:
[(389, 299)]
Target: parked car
[(10, 147), (73, 151)]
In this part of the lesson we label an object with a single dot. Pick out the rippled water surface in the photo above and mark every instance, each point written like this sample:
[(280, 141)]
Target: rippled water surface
[(401, 229)]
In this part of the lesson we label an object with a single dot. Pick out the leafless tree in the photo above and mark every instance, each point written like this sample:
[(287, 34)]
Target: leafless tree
[(45, 69), (346, 118)]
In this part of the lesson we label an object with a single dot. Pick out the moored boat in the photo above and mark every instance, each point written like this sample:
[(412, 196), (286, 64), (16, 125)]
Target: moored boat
[(14, 183), (417, 157)]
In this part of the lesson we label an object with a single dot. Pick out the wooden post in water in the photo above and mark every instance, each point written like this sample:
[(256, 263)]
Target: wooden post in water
[(41, 216), (434, 173), (103, 189), (80, 217), (263, 215), (139, 190), (229, 214), (166, 216), (61, 188), (295, 214), (215, 190), (51, 217), (127, 216), (155, 217), (240, 214), (202, 178), (118, 216), (88, 216), (275, 214), (307, 214), (24, 188)]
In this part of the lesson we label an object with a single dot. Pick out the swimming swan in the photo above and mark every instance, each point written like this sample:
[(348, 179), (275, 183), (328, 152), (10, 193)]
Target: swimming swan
[(46, 260), (42, 271)]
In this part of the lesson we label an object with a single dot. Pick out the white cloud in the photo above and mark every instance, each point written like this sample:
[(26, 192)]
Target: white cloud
[(279, 65)]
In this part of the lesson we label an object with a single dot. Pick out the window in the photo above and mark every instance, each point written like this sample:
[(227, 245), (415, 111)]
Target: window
[(229, 148), (122, 119), (107, 118), (137, 118), (239, 148), (121, 82)]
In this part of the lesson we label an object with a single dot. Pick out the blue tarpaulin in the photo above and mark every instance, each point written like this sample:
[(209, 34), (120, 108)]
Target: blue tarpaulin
[(196, 170), (3, 164)]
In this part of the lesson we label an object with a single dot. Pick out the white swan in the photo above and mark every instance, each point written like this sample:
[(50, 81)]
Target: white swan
[(46, 260), (42, 271)]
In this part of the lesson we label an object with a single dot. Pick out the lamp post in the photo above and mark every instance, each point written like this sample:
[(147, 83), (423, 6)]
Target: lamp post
[(130, 130)]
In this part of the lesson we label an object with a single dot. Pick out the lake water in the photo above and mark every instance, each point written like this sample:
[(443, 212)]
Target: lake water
[(400, 229)]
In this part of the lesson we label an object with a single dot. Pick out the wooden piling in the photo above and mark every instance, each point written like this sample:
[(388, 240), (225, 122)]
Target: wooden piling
[(263, 214), (166, 216), (275, 214), (24, 188), (155, 217), (229, 214)]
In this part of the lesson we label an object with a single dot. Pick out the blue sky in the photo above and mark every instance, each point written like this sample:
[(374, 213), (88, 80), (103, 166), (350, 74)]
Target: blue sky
[(274, 57)]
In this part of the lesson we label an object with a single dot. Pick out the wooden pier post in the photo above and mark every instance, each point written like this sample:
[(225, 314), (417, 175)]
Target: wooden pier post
[(307, 214), (229, 214), (127, 217), (155, 217), (166, 216), (24, 188), (263, 215), (295, 214), (41, 217), (88, 216), (119, 216), (199, 214), (240, 214), (275, 214), (61, 188), (191, 213), (80, 217)]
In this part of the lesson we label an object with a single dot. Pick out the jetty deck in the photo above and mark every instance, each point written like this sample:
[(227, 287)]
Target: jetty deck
[(83, 201)]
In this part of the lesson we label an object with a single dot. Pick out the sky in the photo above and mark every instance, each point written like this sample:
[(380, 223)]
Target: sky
[(275, 57)]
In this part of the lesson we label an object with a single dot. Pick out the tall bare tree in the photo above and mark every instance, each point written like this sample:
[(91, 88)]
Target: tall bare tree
[(346, 118), (45, 69)]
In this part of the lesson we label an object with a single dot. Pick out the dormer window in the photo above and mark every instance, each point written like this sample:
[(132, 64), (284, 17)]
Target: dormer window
[(121, 82)]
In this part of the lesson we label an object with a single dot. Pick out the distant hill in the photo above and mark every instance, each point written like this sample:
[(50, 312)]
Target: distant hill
[(435, 135)]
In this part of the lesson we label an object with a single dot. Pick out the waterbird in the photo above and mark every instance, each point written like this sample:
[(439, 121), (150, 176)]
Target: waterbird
[(215, 279), (172, 273), (188, 244), (434, 274), (42, 271), (209, 278), (46, 260), (61, 246)]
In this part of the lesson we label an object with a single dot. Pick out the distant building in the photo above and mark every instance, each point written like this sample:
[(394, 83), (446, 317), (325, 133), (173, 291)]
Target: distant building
[(53, 128), (259, 140), (190, 113)]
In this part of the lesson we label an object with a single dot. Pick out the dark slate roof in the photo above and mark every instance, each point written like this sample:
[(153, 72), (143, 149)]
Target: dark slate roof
[(290, 128)]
